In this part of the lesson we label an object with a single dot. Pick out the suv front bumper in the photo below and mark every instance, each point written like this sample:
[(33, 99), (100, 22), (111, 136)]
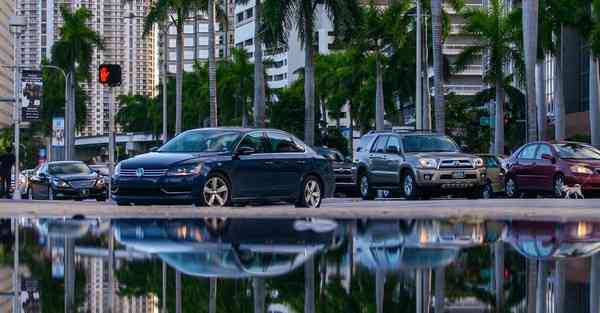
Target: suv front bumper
[(446, 179)]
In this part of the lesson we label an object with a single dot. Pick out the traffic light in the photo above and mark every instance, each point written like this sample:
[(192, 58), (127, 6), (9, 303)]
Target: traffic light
[(110, 74), (507, 119)]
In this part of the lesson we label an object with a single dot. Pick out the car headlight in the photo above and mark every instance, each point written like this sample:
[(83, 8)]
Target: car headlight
[(60, 183), (117, 170), (185, 170), (578, 169), (427, 163), (100, 183), (477, 163)]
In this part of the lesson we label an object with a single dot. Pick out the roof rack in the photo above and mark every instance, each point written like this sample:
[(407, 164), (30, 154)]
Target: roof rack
[(402, 131)]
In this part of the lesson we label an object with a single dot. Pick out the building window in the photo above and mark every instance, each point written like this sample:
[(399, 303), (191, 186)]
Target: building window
[(249, 13), (248, 42), (240, 17)]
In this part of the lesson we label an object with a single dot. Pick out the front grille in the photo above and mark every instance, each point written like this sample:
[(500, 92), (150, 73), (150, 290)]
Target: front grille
[(456, 163), (342, 171), (139, 192), (127, 172), (467, 176), (83, 183)]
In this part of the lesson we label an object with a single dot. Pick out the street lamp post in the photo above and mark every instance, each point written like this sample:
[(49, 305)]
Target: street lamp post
[(17, 24), (67, 77)]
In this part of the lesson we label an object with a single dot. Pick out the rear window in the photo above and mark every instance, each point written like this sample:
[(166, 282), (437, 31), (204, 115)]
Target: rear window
[(363, 144), (427, 143)]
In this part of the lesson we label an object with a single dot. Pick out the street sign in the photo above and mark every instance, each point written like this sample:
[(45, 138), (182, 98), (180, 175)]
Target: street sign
[(484, 121), (31, 95), (58, 132), (110, 74)]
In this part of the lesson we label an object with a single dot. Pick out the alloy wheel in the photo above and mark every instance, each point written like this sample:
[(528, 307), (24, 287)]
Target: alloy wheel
[(312, 193), (559, 183), (216, 192), (511, 188), (364, 186), (408, 185), (486, 193)]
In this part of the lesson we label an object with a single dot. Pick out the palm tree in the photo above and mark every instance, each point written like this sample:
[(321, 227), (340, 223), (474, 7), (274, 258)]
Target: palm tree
[(379, 32), (75, 46), (236, 81), (438, 79), (176, 11), (280, 16), (530, 35), (594, 77), (497, 36)]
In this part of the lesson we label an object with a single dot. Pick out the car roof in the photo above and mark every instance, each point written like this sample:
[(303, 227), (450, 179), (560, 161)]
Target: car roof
[(239, 129), (64, 162)]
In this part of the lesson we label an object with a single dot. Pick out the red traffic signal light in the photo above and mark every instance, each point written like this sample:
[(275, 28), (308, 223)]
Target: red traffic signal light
[(109, 74)]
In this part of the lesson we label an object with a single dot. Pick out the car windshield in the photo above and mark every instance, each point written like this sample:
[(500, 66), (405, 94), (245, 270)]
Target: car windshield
[(330, 154), (427, 143), (202, 141), (68, 169), (577, 151)]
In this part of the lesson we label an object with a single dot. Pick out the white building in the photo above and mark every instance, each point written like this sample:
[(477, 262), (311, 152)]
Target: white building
[(120, 24), (7, 8)]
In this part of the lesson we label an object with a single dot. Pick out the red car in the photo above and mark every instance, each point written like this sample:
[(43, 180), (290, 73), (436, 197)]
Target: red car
[(545, 167)]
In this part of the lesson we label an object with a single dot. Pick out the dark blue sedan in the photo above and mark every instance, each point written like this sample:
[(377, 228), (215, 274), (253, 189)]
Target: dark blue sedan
[(222, 166)]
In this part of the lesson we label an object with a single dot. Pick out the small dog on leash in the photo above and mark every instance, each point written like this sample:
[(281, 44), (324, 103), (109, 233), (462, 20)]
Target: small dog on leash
[(571, 192)]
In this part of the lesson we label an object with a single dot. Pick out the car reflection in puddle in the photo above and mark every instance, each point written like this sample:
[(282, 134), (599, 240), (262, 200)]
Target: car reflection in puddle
[(301, 265)]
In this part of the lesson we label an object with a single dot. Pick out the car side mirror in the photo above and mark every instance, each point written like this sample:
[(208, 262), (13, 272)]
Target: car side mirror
[(42, 175), (245, 150), (392, 149), (548, 157)]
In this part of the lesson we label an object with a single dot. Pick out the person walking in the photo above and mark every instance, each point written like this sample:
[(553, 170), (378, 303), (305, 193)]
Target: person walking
[(7, 161)]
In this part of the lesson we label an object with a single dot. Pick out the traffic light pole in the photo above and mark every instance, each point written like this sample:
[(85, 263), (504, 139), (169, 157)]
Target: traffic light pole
[(111, 139)]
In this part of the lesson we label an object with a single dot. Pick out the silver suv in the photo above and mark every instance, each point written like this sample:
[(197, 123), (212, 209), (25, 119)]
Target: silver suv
[(417, 165)]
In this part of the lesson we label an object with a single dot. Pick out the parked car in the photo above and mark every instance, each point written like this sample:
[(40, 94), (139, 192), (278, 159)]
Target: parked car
[(24, 180), (66, 180), (222, 166), (495, 173), (419, 164), (545, 167), (344, 170)]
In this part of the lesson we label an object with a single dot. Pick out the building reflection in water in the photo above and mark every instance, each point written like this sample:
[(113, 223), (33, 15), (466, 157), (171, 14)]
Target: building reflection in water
[(229, 265)]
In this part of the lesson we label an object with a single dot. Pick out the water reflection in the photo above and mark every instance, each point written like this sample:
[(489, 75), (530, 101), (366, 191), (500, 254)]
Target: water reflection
[(307, 265)]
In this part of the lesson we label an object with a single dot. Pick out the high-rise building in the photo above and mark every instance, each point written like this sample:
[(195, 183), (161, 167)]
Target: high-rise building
[(7, 9), (120, 24)]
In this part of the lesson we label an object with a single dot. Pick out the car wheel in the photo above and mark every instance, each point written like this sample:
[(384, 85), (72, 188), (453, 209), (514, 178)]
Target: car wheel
[(364, 187), (511, 188), (558, 185), (29, 194), (216, 192), (50, 193), (312, 193), (409, 186), (486, 191)]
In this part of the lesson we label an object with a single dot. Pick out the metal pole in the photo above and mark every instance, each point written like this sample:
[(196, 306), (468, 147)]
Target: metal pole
[(540, 294), (499, 274), (16, 278), (177, 291), (212, 297), (164, 287), (595, 284), (111, 271), (164, 84), (17, 115), (419, 89), (440, 285), (559, 286), (309, 285), (379, 290), (258, 286)]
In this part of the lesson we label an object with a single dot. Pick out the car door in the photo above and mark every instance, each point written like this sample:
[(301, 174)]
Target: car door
[(377, 161), (543, 171), (289, 161), (523, 168), (251, 173), (494, 172), (39, 183), (393, 161)]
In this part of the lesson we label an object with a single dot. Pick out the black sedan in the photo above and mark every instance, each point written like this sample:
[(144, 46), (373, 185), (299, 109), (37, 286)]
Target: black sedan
[(66, 180), (344, 170), (222, 166)]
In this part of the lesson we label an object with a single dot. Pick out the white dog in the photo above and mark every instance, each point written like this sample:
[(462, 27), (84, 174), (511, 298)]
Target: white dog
[(572, 191)]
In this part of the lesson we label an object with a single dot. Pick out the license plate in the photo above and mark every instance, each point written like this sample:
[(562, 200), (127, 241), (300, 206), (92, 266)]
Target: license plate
[(84, 192), (458, 175)]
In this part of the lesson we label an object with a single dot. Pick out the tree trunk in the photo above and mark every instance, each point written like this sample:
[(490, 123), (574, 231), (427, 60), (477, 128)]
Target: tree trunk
[(258, 286), (559, 102), (179, 75), (259, 74), (379, 290), (212, 66), (499, 275), (244, 114), (540, 86), (499, 122), (594, 102), (351, 139), (530, 35), (379, 108), (419, 70), (440, 285), (436, 28), (309, 285), (212, 301), (595, 284), (309, 81)]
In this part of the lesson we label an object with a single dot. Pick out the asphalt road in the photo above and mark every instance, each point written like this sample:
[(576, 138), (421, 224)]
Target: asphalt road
[(339, 208)]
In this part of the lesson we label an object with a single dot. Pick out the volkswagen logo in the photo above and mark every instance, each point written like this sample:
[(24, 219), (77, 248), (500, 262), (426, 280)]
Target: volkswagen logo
[(139, 172)]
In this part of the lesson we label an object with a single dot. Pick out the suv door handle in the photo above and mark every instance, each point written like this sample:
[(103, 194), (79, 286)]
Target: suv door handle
[(269, 162), (301, 162)]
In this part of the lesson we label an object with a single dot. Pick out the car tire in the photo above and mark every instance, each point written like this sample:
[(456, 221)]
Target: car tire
[(216, 192), (312, 193), (557, 186), (487, 191), (511, 188), (30, 194), (364, 188), (409, 186), (50, 193)]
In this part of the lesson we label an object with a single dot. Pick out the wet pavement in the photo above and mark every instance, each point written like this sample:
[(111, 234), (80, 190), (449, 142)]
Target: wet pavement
[(300, 265)]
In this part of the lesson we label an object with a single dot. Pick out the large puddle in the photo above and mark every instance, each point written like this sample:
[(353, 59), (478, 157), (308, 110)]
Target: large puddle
[(301, 265)]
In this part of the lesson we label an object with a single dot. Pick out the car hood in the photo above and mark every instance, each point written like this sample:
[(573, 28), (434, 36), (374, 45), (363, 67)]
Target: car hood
[(162, 159), (443, 155), (74, 177), (590, 163)]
